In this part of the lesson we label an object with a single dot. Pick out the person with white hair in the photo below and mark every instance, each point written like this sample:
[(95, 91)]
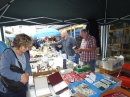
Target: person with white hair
[(68, 43)]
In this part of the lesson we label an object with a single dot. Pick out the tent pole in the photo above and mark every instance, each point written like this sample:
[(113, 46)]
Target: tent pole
[(74, 32), (75, 19), (42, 17), (29, 20), (71, 23), (4, 11), (13, 20), (105, 13), (6, 8), (125, 17), (104, 35), (9, 21), (53, 23), (10, 18), (34, 22), (113, 21), (68, 21), (116, 19), (2, 33)]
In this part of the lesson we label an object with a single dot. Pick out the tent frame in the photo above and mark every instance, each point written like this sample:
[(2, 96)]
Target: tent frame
[(29, 20), (6, 6)]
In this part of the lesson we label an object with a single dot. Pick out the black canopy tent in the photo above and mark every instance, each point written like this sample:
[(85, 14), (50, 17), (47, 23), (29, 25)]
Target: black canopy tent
[(33, 12), (40, 12)]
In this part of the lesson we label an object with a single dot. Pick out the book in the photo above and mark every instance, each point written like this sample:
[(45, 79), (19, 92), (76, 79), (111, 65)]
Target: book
[(82, 75), (60, 86), (41, 86), (103, 84), (75, 47), (57, 83), (71, 77), (66, 93)]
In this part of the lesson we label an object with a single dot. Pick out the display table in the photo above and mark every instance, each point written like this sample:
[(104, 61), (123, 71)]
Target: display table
[(57, 61), (115, 90)]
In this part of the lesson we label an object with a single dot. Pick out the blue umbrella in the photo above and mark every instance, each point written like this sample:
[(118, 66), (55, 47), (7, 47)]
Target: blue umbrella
[(47, 32), (3, 46)]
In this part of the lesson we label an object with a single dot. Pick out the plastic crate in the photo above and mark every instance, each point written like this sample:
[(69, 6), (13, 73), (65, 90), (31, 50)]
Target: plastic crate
[(113, 64), (96, 91), (109, 78), (118, 81), (94, 88)]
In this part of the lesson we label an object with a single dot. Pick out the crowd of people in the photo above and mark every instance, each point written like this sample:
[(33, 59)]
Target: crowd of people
[(22, 43)]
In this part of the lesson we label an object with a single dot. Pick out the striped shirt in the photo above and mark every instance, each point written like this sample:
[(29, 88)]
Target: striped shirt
[(89, 42)]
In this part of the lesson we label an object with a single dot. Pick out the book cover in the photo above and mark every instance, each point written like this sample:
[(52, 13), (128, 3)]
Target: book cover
[(55, 78), (82, 75), (41, 86), (71, 77), (57, 83)]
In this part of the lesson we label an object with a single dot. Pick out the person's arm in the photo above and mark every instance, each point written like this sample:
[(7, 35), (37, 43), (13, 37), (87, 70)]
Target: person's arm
[(28, 67), (56, 43), (87, 49), (92, 46), (25, 76), (6, 61)]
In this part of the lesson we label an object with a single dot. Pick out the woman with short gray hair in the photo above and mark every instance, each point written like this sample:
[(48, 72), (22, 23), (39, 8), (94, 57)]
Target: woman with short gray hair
[(21, 44)]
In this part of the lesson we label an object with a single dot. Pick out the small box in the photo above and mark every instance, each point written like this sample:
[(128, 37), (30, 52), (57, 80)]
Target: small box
[(82, 69), (113, 64)]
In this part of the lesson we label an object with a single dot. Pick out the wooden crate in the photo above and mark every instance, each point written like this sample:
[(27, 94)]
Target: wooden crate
[(43, 73), (104, 71)]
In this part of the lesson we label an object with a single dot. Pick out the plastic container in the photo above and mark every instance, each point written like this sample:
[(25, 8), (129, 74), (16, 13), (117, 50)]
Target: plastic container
[(118, 81), (113, 64), (96, 91), (76, 69), (125, 81), (105, 76)]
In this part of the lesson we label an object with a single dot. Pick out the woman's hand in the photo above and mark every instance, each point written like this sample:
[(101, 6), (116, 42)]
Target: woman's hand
[(24, 78)]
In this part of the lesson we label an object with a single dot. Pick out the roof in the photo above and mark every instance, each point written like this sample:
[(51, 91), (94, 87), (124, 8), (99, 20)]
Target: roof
[(58, 12)]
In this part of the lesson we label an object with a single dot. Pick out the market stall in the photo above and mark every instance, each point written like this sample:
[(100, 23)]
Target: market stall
[(49, 78)]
